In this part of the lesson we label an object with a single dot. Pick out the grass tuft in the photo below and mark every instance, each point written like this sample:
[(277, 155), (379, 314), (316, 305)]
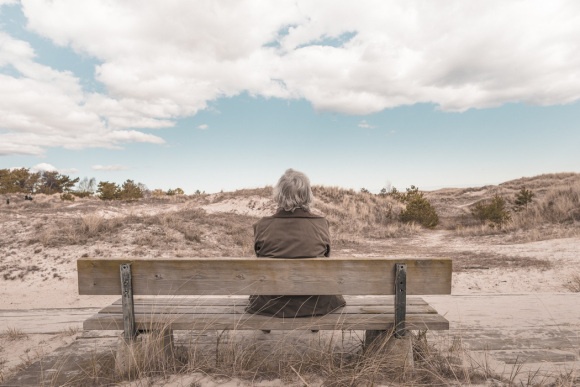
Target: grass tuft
[(14, 334), (573, 283)]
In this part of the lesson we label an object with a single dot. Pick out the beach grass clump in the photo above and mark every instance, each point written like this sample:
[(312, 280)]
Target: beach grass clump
[(13, 334), (334, 358), (554, 212), (573, 283), (354, 216)]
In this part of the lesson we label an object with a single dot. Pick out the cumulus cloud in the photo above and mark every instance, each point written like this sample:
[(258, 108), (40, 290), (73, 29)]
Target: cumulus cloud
[(43, 167), (46, 167), (203, 126), (160, 61), (108, 168), (42, 107)]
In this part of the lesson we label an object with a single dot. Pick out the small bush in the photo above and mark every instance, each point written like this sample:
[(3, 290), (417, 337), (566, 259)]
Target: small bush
[(494, 211), (67, 196), (176, 191), (523, 198), (418, 209), (108, 190), (131, 191)]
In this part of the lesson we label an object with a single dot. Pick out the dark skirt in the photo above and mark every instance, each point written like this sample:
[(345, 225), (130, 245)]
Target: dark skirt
[(294, 306)]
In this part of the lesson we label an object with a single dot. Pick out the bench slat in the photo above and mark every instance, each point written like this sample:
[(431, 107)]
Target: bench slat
[(243, 300), (252, 322), (240, 309), (231, 276)]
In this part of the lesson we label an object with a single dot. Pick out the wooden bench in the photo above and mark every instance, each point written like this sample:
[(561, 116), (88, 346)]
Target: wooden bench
[(206, 293)]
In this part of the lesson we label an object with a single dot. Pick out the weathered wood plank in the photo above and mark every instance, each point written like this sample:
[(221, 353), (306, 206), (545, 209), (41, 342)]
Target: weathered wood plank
[(240, 309), (44, 320), (243, 300), (251, 322), (229, 276)]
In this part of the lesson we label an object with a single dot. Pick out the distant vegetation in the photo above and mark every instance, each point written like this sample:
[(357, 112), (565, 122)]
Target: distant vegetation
[(516, 206), (23, 181)]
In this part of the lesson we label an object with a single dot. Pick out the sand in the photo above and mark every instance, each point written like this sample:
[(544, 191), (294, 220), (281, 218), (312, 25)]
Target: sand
[(36, 275)]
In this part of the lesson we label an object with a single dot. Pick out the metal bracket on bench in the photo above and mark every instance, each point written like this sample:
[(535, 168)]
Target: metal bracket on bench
[(400, 298), (130, 332)]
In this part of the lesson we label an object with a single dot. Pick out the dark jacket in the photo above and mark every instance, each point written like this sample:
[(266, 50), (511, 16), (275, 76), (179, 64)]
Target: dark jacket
[(298, 234)]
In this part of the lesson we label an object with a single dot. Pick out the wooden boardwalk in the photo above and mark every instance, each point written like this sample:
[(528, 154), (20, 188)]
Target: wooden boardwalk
[(530, 333)]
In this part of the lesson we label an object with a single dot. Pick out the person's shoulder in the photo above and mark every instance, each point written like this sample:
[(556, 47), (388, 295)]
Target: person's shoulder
[(317, 213), (265, 219), (263, 222)]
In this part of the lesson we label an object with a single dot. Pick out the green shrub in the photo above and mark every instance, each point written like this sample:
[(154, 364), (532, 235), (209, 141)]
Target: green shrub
[(131, 191), (108, 191), (418, 209), (523, 198), (67, 196), (494, 211), (176, 191)]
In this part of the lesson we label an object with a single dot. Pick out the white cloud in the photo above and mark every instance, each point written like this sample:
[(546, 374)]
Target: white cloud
[(7, 149), (108, 168), (365, 125), (163, 60), (43, 167), (44, 107), (203, 126), (46, 167)]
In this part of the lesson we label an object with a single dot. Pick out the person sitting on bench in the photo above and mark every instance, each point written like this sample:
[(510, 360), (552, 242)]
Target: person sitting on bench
[(293, 232)]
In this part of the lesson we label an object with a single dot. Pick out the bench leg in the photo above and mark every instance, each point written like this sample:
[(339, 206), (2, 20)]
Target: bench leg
[(168, 343), (398, 349), (373, 336)]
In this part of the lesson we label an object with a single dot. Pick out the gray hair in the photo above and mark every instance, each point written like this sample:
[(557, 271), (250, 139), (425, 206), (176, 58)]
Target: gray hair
[(293, 191)]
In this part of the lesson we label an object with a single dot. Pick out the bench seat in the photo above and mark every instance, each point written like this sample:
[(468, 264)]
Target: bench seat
[(227, 312), (204, 293)]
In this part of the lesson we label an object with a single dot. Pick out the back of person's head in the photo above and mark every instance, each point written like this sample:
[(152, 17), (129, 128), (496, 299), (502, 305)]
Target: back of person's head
[(293, 191)]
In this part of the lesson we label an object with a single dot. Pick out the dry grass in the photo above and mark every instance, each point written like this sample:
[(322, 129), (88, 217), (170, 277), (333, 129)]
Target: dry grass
[(13, 334), (573, 283), (294, 358), (554, 213), (202, 234), (297, 358), (354, 216), (265, 192)]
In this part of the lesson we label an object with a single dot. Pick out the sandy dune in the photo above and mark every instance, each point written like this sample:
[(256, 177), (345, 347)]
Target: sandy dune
[(41, 241)]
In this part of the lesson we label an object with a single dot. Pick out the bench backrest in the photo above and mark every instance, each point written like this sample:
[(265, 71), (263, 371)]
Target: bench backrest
[(274, 276)]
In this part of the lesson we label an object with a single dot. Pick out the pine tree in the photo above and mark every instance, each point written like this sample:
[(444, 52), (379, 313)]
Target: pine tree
[(523, 198)]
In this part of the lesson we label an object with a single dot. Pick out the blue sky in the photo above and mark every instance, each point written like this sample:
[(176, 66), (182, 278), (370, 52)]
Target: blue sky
[(221, 95)]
